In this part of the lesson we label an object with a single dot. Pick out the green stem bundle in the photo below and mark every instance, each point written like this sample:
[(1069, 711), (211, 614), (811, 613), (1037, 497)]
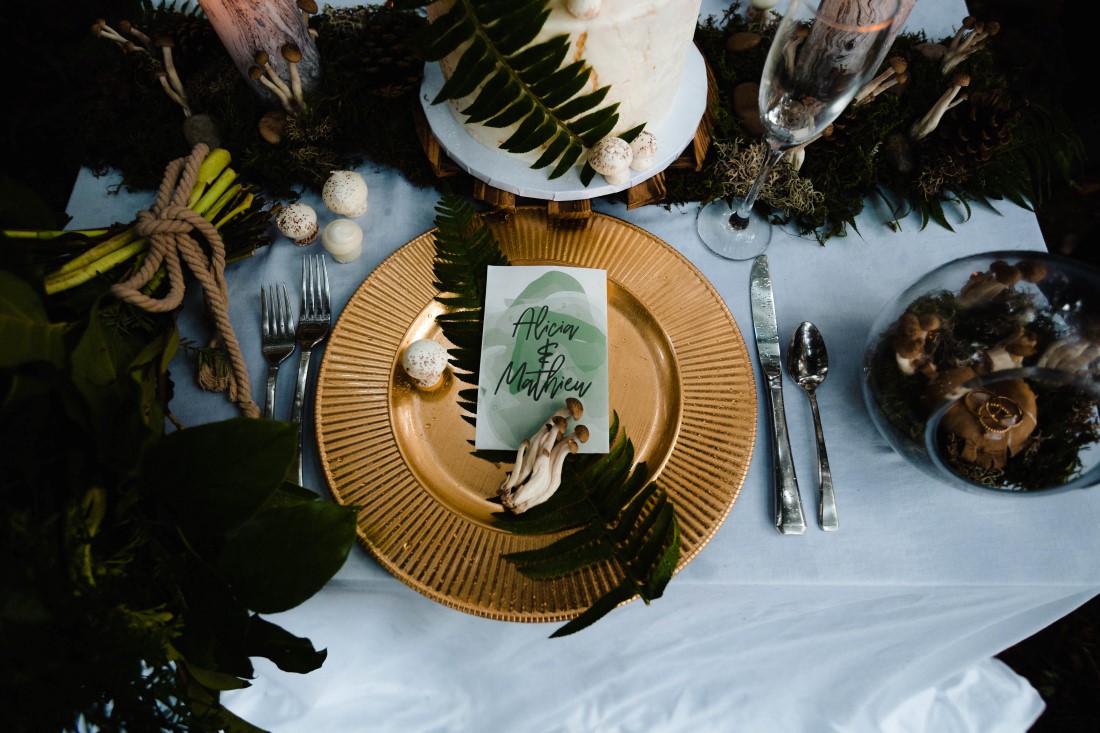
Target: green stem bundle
[(216, 190)]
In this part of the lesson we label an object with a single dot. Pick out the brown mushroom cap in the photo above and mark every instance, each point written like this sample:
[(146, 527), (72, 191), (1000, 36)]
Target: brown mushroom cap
[(581, 431), (743, 41), (255, 72), (576, 409), (961, 79), (272, 125), (1005, 273), (291, 52), (898, 64), (1032, 270), (307, 6), (164, 41), (261, 58)]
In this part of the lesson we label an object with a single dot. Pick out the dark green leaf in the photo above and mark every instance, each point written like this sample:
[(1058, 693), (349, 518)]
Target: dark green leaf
[(281, 557), (25, 331), (216, 476), (603, 606), (290, 653)]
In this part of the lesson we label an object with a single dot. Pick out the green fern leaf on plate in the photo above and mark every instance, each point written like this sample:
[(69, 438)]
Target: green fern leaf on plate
[(521, 81), (611, 513), (606, 505)]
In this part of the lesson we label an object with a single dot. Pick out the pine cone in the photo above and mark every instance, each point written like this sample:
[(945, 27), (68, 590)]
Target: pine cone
[(973, 131), (196, 42), (836, 136), (390, 68)]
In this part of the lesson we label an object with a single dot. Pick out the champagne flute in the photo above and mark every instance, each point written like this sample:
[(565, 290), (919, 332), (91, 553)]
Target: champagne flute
[(822, 53)]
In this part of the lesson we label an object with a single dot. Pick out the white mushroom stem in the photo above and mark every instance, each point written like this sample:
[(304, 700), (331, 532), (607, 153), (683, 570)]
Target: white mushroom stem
[(514, 478), (790, 51), (257, 74), (162, 76), (1070, 355), (263, 61), (173, 77), (296, 85), (536, 484), (925, 125), (894, 74), (967, 24), (970, 44), (105, 31)]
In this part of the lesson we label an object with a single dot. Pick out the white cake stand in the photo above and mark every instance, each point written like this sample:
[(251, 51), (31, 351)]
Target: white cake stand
[(514, 175)]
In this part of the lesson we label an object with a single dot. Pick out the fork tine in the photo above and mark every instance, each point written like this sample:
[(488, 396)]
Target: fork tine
[(324, 288), (285, 314), (264, 312)]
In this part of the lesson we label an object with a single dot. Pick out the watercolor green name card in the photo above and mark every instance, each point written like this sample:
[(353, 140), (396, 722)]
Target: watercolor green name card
[(544, 340)]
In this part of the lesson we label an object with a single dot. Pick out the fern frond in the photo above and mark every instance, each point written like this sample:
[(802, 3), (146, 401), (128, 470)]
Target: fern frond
[(611, 512), (607, 507), (464, 248), (520, 82)]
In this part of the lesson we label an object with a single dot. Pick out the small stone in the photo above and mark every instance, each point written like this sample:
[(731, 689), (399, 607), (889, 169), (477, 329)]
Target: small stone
[(743, 41), (272, 126), (202, 129)]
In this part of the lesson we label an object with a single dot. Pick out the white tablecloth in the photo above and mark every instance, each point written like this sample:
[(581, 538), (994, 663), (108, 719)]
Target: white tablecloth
[(887, 625)]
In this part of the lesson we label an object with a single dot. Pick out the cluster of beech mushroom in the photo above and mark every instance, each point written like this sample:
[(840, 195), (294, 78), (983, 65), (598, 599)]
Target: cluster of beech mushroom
[(951, 98), (894, 75), (536, 474), (614, 158), (290, 96), (166, 72)]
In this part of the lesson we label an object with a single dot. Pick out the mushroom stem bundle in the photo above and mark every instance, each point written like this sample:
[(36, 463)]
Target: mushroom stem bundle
[(894, 75), (536, 474), (965, 43), (926, 124)]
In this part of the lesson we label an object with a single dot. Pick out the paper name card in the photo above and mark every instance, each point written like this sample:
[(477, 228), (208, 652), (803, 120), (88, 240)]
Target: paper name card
[(544, 340)]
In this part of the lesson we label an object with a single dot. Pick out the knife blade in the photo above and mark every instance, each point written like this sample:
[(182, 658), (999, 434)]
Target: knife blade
[(789, 517)]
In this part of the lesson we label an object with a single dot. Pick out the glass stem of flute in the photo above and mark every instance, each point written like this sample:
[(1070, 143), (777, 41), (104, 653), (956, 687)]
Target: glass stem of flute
[(740, 217)]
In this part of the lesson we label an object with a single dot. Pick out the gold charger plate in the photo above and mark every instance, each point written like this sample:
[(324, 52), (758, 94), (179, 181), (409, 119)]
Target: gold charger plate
[(681, 382)]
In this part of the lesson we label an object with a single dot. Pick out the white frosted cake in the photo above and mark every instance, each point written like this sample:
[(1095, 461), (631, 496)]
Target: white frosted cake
[(637, 47)]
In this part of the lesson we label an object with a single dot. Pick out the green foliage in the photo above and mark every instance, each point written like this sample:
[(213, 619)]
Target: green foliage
[(610, 510), (134, 562), (464, 247), (524, 82), (612, 513)]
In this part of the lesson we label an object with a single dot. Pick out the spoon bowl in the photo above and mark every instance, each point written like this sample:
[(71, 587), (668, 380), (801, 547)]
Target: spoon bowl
[(807, 358), (808, 365)]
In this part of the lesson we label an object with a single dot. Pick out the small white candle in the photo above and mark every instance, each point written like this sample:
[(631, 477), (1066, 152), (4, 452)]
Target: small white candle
[(343, 239)]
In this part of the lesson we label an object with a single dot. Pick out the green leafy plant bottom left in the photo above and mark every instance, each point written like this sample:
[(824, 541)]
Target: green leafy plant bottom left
[(134, 564)]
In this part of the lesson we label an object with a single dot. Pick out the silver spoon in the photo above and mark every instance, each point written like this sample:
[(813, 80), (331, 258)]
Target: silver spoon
[(808, 363)]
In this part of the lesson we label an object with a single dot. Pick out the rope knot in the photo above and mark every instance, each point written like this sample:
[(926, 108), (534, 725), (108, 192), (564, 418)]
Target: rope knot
[(168, 225)]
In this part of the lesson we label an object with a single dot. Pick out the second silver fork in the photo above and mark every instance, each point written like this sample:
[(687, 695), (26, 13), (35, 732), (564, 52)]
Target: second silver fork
[(277, 336), (314, 321)]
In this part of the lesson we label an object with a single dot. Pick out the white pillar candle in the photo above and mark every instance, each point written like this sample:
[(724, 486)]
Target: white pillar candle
[(247, 26), (343, 239)]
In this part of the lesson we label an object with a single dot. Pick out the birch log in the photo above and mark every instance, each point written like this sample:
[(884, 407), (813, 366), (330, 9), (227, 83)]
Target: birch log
[(247, 26)]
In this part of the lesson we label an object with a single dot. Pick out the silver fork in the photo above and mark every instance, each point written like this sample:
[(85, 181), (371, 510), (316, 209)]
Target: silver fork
[(314, 322), (277, 341)]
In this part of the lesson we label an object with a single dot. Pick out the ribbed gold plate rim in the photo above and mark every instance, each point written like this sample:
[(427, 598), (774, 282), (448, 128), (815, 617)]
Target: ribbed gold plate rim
[(681, 382)]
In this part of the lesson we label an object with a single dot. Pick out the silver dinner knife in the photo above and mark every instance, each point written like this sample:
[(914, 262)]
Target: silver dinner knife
[(789, 518)]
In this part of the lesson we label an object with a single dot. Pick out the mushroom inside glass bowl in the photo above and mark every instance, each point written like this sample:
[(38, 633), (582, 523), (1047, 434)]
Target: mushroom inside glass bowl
[(985, 373)]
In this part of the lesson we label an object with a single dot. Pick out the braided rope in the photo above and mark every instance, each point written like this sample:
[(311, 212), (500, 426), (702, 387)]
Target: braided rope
[(169, 224)]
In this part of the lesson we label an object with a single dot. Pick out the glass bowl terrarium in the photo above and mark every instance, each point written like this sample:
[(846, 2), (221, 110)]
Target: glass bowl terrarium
[(986, 373)]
